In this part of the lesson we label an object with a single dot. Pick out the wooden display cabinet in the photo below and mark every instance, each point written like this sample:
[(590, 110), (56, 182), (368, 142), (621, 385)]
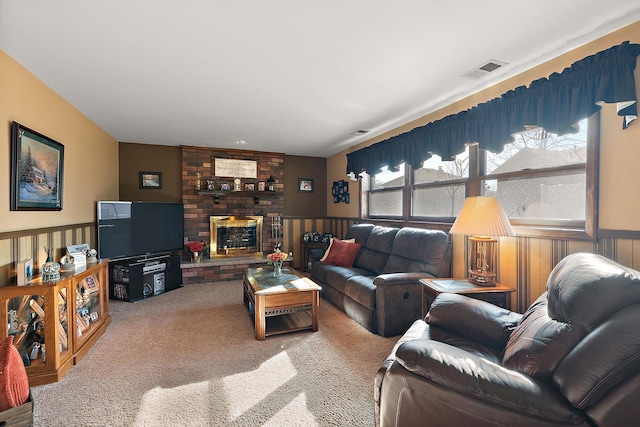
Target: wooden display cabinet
[(65, 318)]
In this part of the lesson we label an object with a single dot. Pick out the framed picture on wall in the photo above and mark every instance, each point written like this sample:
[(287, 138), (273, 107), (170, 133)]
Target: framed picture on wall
[(150, 180), (305, 185), (37, 164)]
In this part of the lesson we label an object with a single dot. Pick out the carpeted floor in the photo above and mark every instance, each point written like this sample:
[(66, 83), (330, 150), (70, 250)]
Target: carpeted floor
[(189, 358)]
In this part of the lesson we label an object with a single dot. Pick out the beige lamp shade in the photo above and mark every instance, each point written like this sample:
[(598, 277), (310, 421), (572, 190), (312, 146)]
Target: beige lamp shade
[(482, 216), (483, 219)]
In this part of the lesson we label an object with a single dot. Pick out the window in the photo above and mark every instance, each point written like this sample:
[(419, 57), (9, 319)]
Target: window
[(541, 176), (439, 186), (546, 184), (386, 193)]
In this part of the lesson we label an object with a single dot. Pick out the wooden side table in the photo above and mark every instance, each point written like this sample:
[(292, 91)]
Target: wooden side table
[(432, 287), (307, 257)]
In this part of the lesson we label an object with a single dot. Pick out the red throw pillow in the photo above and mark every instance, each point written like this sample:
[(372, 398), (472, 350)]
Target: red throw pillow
[(342, 254), (14, 384)]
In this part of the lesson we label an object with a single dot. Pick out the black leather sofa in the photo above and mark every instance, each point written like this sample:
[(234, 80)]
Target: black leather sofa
[(572, 359), (381, 290)]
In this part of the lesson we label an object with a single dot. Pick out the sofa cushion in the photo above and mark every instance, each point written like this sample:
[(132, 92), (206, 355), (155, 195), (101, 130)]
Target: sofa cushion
[(417, 250), (583, 290), (538, 343), (342, 253), (360, 232), (336, 276), (374, 255), (608, 359), (362, 290)]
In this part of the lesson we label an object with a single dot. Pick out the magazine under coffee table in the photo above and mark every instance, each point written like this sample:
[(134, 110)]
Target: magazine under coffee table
[(281, 304)]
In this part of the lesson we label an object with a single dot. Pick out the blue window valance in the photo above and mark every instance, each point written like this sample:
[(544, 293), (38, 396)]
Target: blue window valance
[(555, 103)]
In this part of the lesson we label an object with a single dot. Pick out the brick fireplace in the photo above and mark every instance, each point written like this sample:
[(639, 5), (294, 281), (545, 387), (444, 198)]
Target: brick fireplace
[(200, 205)]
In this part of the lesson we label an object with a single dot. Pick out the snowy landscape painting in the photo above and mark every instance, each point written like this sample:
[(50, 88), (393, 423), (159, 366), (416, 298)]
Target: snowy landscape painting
[(36, 170)]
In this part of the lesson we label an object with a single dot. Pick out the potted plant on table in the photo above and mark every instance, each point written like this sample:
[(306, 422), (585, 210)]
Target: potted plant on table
[(197, 250), (276, 259)]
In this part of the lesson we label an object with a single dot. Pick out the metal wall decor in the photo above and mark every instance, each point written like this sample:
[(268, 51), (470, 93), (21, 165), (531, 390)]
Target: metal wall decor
[(340, 191)]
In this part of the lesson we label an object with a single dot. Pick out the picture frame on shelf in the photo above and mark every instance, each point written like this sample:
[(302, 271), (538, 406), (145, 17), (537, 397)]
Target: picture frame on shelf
[(249, 186), (150, 180), (90, 284), (305, 185), (24, 273), (37, 170), (225, 186), (262, 185)]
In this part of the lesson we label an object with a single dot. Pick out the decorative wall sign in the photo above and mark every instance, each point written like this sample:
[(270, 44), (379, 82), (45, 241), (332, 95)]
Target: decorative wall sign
[(36, 170), (234, 168), (340, 191)]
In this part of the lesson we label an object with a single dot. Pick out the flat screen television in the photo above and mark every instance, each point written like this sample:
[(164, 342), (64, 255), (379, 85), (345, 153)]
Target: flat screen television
[(129, 229)]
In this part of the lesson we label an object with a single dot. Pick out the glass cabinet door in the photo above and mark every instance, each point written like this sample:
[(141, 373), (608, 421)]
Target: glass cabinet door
[(25, 320), (89, 311)]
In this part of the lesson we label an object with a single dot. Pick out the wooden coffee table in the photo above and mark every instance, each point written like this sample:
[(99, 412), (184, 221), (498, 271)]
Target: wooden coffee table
[(290, 302)]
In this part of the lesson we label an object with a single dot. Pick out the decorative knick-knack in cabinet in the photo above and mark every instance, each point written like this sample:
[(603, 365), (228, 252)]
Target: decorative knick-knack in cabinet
[(55, 324)]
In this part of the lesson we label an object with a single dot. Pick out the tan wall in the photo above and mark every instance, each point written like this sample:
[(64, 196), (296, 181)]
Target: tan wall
[(90, 154)]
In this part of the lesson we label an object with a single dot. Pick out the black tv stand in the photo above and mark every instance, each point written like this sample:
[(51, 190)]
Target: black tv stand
[(134, 278)]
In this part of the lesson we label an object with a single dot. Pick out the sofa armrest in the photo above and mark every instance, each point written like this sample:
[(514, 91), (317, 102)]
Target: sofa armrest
[(475, 319), (467, 374), (400, 278), (398, 302)]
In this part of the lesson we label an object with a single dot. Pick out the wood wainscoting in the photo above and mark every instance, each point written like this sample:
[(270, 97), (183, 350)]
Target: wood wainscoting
[(16, 246)]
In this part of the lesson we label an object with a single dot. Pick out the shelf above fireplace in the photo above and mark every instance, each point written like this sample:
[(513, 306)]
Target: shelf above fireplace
[(216, 194)]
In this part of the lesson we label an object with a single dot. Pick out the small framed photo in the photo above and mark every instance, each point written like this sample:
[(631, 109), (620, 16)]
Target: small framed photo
[(262, 185), (90, 284), (150, 180), (305, 185), (224, 186), (249, 186)]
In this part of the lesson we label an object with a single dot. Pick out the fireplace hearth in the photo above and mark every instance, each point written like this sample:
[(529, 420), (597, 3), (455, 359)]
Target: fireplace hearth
[(235, 235)]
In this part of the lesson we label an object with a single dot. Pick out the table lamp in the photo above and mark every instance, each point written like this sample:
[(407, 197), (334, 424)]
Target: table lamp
[(482, 218)]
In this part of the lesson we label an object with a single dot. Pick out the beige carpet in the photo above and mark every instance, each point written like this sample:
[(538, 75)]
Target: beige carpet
[(189, 358)]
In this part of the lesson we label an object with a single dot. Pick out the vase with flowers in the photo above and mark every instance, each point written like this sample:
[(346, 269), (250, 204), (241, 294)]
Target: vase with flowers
[(276, 259), (197, 250)]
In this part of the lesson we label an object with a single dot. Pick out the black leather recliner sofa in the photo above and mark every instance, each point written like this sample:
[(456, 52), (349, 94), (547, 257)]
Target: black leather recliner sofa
[(572, 359)]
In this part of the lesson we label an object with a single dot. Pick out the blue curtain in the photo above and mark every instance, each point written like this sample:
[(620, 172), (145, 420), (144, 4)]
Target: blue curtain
[(556, 103)]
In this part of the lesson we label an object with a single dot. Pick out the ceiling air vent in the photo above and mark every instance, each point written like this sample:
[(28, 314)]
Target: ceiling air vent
[(483, 69)]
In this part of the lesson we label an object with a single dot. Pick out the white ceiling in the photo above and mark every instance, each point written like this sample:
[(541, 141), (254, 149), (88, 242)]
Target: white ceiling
[(288, 76)]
